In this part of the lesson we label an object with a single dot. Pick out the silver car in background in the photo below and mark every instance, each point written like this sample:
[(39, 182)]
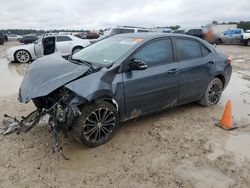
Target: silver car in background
[(231, 36)]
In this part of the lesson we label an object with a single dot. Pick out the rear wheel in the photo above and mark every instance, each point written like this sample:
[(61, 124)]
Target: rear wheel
[(219, 41), (248, 42), (1, 41), (213, 93), (97, 124), (22, 56)]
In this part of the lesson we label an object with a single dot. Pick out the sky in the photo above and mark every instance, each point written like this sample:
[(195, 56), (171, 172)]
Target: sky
[(93, 14)]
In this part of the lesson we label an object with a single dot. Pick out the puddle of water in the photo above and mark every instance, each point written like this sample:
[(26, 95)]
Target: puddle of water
[(203, 176), (11, 75), (235, 145), (239, 144), (238, 91)]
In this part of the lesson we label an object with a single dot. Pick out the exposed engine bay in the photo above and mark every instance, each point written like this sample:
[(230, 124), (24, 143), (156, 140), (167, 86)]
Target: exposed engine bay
[(61, 106)]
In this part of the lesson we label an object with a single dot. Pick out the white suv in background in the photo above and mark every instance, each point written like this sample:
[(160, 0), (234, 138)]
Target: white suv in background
[(121, 30), (63, 44), (245, 38)]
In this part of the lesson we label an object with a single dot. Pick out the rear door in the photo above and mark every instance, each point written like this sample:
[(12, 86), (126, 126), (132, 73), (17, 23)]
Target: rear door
[(194, 63), (64, 45), (227, 37), (156, 87)]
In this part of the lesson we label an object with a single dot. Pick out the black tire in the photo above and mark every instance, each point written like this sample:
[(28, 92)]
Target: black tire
[(219, 41), (247, 42), (1, 41), (76, 49), (26, 56), (213, 93), (96, 126)]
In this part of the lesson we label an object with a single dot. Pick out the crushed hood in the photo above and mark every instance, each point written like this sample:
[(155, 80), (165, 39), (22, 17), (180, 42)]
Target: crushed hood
[(46, 74)]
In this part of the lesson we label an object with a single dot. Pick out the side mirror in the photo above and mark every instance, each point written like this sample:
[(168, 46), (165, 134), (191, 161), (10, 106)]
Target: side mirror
[(137, 64)]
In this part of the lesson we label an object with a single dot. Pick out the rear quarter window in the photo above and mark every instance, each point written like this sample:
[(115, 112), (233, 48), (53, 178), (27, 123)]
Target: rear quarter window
[(205, 51)]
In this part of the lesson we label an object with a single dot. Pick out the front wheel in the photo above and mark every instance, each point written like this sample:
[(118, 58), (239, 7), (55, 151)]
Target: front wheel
[(213, 93), (22, 56), (97, 124)]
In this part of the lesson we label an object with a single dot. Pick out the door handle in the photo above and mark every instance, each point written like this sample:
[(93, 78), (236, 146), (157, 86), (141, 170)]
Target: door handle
[(173, 71), (210, 63)]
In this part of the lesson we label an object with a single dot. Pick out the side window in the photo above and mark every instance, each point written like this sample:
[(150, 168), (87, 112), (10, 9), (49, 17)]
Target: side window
[(229, 32), (237, 31), (157, 52), (63, 38), (188, 49), (127, 31), (142, 31), (205, 51)]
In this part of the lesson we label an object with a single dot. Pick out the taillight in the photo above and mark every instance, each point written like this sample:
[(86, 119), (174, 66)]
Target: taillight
[(229, 61)]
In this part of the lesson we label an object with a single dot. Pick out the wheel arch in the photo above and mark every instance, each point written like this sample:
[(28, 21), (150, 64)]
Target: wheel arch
[(77, 46), (222, 78)]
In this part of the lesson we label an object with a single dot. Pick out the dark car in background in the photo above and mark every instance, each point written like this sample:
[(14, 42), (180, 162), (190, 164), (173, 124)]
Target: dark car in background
[(28, 39), (3, 38), (124, 77), (196, 32)]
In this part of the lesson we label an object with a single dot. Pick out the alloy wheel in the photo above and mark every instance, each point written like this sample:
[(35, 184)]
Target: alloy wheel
[(22, 56), (99, 125), (215, 91)]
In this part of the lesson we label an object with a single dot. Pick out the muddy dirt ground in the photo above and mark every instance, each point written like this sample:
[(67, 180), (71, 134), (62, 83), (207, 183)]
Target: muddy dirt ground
[(179, 147)]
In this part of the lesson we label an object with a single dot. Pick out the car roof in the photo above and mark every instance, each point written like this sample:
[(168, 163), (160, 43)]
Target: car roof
[(152, 35), (58, 36)]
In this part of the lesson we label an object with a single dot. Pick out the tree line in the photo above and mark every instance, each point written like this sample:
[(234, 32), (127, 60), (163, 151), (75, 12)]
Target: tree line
[(242, 24)]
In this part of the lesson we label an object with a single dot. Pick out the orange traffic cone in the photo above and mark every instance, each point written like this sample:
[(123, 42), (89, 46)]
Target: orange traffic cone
[(226, 121)]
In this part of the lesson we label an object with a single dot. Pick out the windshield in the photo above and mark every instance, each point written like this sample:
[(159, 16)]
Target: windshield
[(107, 51)]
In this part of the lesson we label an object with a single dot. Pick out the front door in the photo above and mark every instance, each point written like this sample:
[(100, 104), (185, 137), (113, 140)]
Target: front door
[(156, 87), (38, 48)]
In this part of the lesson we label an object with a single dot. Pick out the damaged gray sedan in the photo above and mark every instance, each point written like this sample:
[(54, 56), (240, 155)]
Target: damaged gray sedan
[(121, 78)]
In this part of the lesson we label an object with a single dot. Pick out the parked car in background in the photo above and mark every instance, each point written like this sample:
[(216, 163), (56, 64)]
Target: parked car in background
[(14, 37), (28, 39), (63, 44), (196, 32), (124, 77), (121, 30), (3, 38), (231, 36), (180, 31), (245, 38), (162, 30)]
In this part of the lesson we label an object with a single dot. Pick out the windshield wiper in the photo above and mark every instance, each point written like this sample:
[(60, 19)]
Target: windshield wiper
[(79, 61)]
